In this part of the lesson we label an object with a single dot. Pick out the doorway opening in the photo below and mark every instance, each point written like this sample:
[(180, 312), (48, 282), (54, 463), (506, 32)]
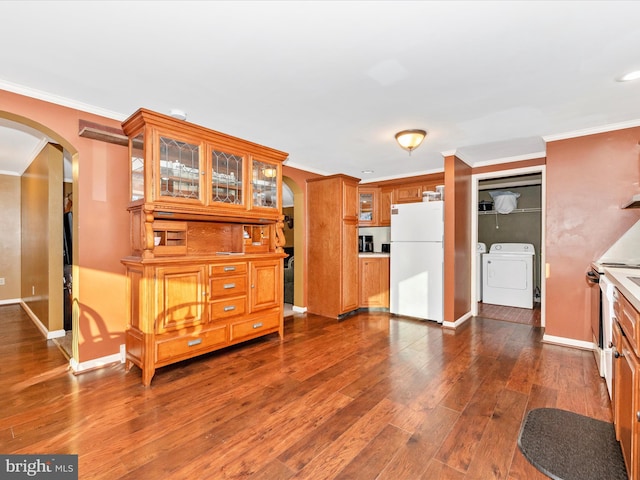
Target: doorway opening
[(523, 224), (293, 211), (46, 190)]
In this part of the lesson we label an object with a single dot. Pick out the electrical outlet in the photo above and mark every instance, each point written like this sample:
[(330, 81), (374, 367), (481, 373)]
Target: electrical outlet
[(2, 281)]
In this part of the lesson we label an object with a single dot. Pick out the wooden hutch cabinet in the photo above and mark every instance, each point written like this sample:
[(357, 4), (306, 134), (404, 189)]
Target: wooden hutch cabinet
[(206, 269), (333, 245)]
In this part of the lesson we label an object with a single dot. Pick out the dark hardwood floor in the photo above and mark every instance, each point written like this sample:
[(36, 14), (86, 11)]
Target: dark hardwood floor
[(527, 316), (370, 397)]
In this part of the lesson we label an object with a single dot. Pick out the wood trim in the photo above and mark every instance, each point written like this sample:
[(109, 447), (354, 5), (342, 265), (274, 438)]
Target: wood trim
[(103, 133)]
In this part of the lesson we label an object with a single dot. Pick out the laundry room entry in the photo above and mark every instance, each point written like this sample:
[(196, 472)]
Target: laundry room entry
[(523, 223)]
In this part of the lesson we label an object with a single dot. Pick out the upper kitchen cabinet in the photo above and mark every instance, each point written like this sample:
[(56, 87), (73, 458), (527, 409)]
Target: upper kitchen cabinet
[(182, 169)]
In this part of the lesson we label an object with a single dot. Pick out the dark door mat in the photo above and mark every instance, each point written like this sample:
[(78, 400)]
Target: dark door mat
[(568, 446)]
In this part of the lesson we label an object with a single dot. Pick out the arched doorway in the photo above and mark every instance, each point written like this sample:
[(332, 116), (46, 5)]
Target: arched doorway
[(43, 297)]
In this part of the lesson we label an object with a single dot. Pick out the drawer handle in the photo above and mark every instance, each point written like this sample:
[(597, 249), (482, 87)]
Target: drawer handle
[(229, 308), (193, 343), (229, 269), (229, 285), (638, 416), (257, 325)]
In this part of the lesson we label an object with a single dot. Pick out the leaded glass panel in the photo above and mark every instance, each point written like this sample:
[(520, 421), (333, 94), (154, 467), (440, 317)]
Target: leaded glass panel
[(226, 177), (179, 169)]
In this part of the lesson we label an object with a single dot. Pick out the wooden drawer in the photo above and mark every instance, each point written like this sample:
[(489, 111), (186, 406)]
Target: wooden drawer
[(628, 318), (228, 286), (228, 269), (188, 345), (229, 307), (255, 327)]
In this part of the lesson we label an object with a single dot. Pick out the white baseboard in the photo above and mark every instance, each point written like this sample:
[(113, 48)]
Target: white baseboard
[(567, 342), (9, 301), (49, 335), (299, 309), (80, 367), (458, 322)]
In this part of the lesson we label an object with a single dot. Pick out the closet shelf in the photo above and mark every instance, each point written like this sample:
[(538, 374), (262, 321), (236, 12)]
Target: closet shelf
[(515, 210)]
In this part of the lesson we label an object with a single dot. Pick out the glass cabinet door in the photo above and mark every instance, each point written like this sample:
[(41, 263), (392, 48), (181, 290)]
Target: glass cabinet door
[(226, 178), (179, 169), (137, 167), (264, 184), (365, 207)]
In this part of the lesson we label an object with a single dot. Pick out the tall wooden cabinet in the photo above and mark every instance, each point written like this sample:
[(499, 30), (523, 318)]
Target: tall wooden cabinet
[(206, 264), (332, 268)]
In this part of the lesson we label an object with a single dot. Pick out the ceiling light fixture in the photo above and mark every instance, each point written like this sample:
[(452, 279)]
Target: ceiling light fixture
[(627, 77), (270, 172), (410, 139), (179, 114)]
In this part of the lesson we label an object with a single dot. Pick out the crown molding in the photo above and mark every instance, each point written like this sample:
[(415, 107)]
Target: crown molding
[(58, 100)]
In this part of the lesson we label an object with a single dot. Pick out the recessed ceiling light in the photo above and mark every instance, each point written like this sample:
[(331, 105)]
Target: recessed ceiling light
[(367, 171), (179, 114), (627, 77)]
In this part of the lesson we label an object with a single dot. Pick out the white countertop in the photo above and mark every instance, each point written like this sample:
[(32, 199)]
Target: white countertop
[(619, 277), (373, 255)]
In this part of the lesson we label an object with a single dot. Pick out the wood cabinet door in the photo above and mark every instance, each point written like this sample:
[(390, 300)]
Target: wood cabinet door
[(374, 282), (349, 277), (626, 399), (180, 297), (349, 200), (384, 207), (407, 194), (266, 284)]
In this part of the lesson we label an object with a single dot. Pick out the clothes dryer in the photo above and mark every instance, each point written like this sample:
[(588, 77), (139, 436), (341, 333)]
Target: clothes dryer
[(507, 275)]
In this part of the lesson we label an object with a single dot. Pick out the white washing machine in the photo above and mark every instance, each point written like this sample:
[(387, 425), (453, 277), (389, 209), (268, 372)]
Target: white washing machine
[(481, 249), (507, 275)]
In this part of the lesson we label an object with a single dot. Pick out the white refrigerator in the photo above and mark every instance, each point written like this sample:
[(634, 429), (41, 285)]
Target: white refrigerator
[(417, 260)]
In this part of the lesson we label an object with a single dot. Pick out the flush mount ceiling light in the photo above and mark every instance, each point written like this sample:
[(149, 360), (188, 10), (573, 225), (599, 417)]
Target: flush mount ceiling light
[(410, 139), (627, 77)]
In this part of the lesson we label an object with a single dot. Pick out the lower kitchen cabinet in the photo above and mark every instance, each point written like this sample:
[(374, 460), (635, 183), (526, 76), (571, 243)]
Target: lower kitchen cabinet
[(626, 383), (181, 310), (374, 282)]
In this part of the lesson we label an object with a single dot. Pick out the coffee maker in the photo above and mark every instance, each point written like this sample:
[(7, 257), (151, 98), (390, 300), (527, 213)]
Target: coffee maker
[(365, 243)]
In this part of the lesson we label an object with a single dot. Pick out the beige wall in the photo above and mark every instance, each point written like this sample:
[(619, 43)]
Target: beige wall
[(41, 207), (10, 238)]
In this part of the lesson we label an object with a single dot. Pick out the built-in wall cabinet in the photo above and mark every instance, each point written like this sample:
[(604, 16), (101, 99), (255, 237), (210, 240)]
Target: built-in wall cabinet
[(332, 245)]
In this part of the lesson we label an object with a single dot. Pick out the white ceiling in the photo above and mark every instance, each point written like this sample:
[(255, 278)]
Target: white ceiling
[(331, 82)]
